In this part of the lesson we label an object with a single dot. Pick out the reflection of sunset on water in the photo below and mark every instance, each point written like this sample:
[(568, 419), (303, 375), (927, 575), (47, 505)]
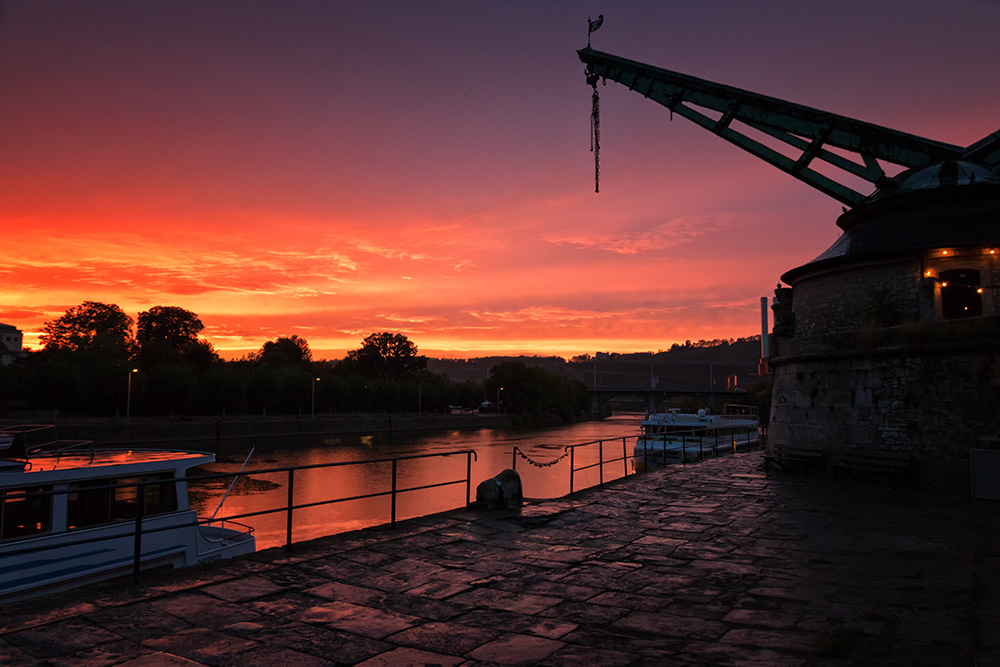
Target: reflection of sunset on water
[(494, 454)]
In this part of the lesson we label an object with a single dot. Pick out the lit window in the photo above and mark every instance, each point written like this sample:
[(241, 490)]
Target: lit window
[(961, 294), (22, 513)]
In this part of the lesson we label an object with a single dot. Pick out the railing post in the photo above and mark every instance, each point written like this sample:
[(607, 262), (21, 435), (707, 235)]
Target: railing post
[(291, 491), (572, 468), (140, 509), (392, 517), (513, 463), (624, 458), (600, 460), (468, 477)]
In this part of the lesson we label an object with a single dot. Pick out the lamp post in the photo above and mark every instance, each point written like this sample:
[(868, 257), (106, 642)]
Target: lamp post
[(128, 397), (498, 399), (313, 410)]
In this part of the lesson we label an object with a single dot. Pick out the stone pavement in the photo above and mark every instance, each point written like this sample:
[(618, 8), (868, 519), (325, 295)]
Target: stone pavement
[(708, 564)]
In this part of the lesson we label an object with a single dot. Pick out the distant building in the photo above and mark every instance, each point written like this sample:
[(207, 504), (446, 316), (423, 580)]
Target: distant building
[(10, 344)]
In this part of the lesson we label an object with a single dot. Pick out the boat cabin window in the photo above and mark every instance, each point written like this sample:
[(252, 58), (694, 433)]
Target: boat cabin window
[(22, 513), (95, 502)]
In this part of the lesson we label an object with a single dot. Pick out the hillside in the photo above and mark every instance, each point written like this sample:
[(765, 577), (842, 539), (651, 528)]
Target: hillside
[(693, 366)]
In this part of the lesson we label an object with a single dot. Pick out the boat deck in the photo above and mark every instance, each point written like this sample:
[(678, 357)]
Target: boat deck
[(79, 460)]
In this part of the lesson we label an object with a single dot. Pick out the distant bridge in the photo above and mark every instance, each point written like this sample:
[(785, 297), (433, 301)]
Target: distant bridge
[(653, 397)]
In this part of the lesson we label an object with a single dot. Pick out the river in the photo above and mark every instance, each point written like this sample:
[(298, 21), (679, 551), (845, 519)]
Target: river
[(493, 447)]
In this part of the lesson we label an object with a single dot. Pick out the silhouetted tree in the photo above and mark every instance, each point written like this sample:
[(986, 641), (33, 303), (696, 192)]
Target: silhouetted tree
[(535, 393), (86, 358), (293, 350), (223, 388), (171, 388), (386, 356), (201, 355), (164, 332), (91, 326)]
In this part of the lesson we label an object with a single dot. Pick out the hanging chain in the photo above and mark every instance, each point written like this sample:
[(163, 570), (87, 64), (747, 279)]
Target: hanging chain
[(542, 465), (595, 137)]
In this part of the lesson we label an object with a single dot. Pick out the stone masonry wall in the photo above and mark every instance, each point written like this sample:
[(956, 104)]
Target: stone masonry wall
[(841, 300), (934, 398)]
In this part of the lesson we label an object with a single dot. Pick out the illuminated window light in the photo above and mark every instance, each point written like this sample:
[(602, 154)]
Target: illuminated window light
[(979, 291), (944, 284)]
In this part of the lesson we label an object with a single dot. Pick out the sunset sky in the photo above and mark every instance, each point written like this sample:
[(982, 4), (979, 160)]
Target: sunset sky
[(332, 169)]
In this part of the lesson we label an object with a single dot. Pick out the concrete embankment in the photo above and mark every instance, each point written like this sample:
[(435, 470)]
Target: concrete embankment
[(153, 430)]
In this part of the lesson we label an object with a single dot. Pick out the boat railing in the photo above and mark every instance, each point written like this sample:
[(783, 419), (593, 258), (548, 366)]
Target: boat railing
[(289, 507), (694, 440), (734, 411), (222, 524), (41, 439)]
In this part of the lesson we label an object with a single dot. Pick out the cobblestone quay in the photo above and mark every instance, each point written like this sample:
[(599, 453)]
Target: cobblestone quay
[(708, 564)]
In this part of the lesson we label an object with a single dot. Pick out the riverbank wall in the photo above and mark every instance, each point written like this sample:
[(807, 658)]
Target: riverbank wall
[(164, 430)]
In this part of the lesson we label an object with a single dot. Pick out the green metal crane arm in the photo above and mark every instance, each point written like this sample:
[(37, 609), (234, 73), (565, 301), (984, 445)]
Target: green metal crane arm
[(803, 128)]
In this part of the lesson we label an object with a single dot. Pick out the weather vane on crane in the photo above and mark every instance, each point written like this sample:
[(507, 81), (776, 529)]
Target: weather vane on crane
[(592, 26)]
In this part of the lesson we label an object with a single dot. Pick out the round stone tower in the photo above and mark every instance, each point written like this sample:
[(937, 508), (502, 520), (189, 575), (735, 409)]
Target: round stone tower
[(887, 344), (889, 341)]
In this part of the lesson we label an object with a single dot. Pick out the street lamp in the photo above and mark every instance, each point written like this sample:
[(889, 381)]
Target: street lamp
[(498, 399), (128, 397), (313, 410)]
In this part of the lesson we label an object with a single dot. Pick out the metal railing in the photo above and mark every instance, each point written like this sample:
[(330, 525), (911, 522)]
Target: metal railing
[(393, 492), (570, 451), (32, 439), (600, 461), (289, 507), (689, 442)]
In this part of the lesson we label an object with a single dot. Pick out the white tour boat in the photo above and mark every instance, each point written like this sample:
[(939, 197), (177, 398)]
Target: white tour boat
[(68, 513), (675, 437)]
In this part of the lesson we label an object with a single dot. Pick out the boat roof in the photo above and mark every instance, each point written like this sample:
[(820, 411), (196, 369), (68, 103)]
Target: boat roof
[(86, 464), (688, 419)]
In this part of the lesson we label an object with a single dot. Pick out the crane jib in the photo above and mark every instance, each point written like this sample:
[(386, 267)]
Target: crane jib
[(808, 134)]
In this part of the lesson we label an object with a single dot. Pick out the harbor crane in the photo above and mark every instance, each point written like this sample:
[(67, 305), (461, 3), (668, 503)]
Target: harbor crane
[(855, 147)]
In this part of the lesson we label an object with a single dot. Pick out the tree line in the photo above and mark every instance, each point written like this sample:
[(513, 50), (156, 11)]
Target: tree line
[(97, 360)]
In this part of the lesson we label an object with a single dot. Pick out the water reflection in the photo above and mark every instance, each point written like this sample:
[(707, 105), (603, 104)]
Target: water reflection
[(494, 448)]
